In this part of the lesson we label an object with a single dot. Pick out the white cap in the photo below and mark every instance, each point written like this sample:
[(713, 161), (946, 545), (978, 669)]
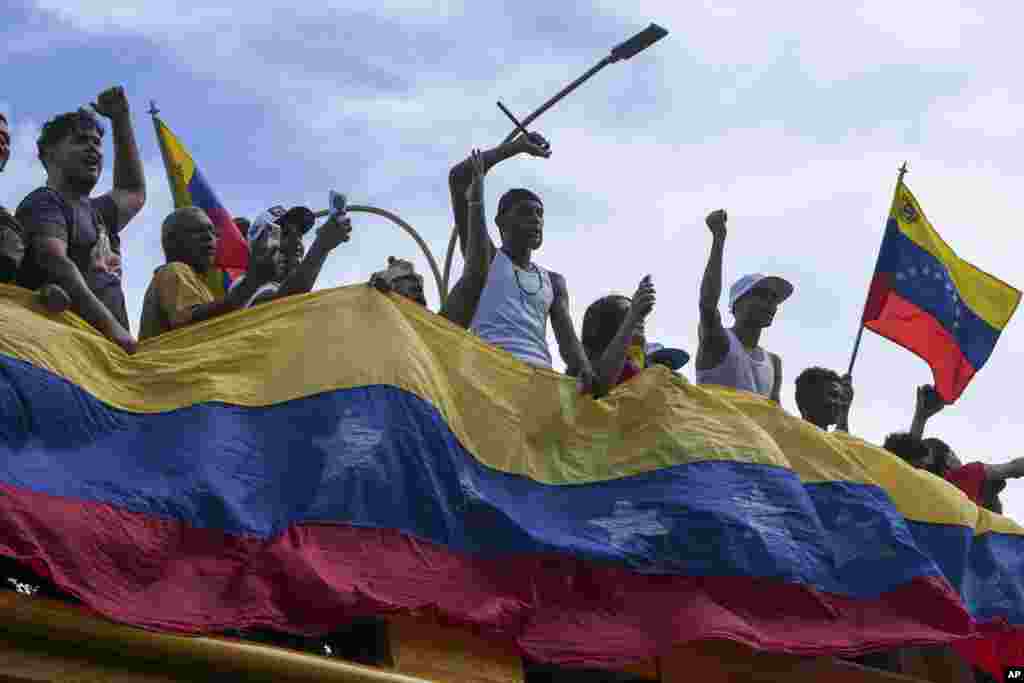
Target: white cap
[(264, 222), (781, 287)]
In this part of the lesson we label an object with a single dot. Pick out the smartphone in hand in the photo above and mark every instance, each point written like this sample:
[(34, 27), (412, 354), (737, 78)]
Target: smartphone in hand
[(338, 203)]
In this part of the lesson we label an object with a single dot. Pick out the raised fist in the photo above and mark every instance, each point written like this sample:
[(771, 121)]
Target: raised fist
[(928, 401), (643, 300), (716, 222), (475, 191), (111, 103)]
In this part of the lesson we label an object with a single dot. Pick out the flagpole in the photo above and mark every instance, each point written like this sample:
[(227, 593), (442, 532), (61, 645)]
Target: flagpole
[(153, 111), (860, 330)]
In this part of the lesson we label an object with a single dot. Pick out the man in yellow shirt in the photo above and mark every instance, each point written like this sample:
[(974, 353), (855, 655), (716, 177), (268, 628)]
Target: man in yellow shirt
[(178, 294)]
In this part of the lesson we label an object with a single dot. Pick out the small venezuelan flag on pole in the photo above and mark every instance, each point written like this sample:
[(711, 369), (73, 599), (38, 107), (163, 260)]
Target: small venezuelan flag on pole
[(190, 188), (930, 301)]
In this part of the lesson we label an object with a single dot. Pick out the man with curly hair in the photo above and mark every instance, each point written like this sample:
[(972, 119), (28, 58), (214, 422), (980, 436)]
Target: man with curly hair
[(72, 239)]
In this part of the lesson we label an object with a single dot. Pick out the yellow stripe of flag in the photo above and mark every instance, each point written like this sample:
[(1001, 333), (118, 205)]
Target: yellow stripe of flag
[(990, 298), (179, 164)]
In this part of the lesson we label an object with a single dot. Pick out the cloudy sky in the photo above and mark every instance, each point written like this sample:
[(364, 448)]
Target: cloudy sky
[(793, 116)]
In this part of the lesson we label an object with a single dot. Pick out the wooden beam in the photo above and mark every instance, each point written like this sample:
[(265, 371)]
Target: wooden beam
[(445, 653), (71, 633)]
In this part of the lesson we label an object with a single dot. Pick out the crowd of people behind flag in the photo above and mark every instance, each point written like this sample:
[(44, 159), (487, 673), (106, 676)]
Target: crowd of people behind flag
[(65, 244)]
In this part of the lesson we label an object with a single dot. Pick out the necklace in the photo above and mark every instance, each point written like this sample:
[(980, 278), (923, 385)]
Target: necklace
[(523, 292)]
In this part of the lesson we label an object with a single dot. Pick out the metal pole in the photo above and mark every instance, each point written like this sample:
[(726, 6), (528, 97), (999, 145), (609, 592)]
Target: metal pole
[(442, 286), (860, 331), (626, 50), (561, 93)]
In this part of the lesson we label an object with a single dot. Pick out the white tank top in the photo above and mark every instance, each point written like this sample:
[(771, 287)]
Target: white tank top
[(513, 310), (751, 371)]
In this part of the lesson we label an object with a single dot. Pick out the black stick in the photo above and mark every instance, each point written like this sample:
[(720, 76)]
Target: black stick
[(513, 119), (641, 41)]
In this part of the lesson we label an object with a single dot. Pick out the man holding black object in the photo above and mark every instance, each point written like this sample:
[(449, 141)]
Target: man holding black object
[(517, 296)]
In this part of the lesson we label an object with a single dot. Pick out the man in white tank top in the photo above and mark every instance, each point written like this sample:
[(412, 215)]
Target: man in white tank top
[(512, 301), (732, 357)]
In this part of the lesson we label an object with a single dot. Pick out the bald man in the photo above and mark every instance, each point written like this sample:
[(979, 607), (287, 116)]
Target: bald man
[(178, 294)]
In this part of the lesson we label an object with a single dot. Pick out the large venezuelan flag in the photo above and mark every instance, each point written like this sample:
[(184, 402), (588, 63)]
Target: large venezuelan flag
[(190, 188), (346, 453), (930, 301)]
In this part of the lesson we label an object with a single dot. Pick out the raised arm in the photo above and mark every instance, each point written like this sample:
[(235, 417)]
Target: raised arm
[(53, 257), (328, 236), (129, 191), (465, 295), (608, 368), (461, 176), (929, 403), (714, 343), (569, 345), (1006, 470)]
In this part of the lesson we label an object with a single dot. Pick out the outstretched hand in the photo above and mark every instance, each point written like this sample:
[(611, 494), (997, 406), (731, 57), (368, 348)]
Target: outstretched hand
[(928, 401), (534, 144), (475, 191), (716, 223), (336, 230), (111, 103), (643, 300)]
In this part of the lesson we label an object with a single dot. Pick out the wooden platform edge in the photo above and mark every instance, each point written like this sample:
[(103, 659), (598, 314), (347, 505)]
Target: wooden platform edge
[(70, 632)]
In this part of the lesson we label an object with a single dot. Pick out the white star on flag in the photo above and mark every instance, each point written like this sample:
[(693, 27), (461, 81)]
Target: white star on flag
[(627, 522), (351, 450), (469, 487)]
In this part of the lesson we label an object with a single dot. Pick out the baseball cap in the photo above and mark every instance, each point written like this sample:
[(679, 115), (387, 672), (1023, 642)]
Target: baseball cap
[(673, 358), (782, 288), (277, 215), (516, 195), (397, 268)]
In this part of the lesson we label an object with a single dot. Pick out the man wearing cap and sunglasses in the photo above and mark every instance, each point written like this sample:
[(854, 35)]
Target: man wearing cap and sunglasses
[(733, 357), (297, 270)]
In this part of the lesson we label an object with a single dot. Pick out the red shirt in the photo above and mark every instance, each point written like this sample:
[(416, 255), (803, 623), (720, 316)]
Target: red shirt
[(970, 479)]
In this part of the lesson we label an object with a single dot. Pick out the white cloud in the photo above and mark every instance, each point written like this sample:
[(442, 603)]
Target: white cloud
[(993, 113)]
